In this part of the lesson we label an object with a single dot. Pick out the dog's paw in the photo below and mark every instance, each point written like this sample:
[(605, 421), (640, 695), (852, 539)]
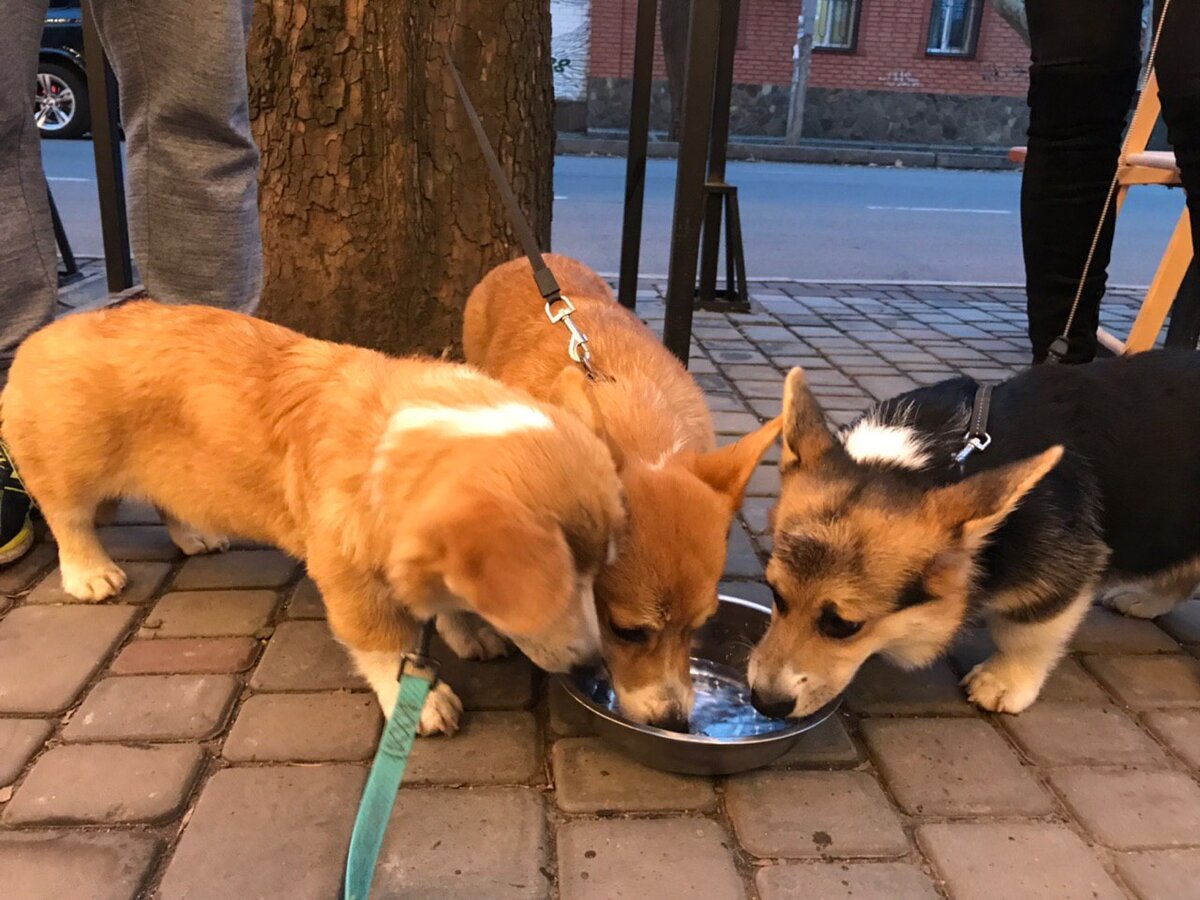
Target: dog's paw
[(441, 712), (193, 542), (1137, 602), (997, 686), (95, 584), (472, 638)]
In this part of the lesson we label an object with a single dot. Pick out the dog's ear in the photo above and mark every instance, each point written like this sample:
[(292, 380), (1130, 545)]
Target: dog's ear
[(510, 569), (806, 437), (728, 469), (573, 392), (977, 505)]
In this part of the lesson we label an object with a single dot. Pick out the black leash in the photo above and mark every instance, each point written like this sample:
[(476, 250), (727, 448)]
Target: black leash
[(547, 284), (977, 437)]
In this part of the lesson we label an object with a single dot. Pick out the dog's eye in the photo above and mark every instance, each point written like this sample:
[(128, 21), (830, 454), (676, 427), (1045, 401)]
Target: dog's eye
[(834, 626), (781, 605), (630, 635)]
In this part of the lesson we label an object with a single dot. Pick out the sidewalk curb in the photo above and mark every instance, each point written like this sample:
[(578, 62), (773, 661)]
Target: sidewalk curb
[(842, 154)]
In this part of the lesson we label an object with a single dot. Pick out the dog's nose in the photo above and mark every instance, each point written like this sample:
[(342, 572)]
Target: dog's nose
[(771, 707), (673, 721)]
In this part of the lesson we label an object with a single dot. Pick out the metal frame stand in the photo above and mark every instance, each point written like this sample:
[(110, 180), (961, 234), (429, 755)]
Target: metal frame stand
[(702, 195), (106, 143), (70, 272)]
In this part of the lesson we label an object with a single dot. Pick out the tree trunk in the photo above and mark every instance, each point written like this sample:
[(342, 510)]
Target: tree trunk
[(378, 212), (674, 17)]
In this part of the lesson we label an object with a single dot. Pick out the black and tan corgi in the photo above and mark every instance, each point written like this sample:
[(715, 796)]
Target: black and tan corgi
[(885, 544)]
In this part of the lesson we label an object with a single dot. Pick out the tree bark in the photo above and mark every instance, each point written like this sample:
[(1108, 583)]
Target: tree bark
[(378, 212), (674, 17)]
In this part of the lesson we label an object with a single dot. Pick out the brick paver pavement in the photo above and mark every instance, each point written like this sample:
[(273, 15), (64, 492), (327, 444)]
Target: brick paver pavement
[(204, 737)]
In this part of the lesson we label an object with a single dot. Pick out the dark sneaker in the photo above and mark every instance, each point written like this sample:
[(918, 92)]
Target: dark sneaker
[(16, 531)]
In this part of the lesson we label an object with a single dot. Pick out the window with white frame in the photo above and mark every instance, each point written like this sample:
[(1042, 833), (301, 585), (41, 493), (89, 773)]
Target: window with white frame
[(835, 24), (954, 27)]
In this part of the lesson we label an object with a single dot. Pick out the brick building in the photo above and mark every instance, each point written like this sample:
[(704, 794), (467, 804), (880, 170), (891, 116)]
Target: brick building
[(905, 71)]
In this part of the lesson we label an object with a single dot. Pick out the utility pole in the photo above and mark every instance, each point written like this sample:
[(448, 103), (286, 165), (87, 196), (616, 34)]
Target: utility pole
[(801, 64)]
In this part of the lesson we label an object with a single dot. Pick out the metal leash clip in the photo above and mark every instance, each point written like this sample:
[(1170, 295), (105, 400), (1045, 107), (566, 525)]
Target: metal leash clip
[(974, 442), (578, 348)]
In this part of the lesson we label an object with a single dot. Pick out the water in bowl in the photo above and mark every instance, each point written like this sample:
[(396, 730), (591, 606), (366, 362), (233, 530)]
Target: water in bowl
[(722, 707)]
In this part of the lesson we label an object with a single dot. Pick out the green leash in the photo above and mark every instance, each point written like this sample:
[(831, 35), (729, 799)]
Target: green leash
[(418, 674)]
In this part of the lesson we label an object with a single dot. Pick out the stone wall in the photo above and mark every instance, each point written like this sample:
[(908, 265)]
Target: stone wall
[(973, 120)]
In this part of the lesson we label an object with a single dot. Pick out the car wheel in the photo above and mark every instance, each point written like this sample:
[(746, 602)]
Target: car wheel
[(61, 102)]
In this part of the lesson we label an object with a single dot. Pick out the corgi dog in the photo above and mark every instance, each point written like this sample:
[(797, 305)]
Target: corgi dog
[(411, 488), (883, 544), (682, 491)]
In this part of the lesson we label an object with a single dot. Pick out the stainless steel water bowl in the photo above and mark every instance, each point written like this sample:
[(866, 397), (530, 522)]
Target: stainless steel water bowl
[(727, 735)]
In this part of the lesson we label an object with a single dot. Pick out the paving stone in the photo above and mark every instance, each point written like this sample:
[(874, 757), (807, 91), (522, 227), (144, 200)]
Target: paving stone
[(1146, 682), (1032, 861), (765, 390), (739, 371), (58, 865), (766, 409), (741, 560), (661, 858), (1161, 874), (1183, 622), (131, 512), (163, 656), (844, 881), (19, 740), (567, 717), (235, 569), (210, 614), (105, 784), (334, 726), (303, 656), (145, 578), (19, 575), (735, 422), (1104, 631), (1063, 734), (1179, 730), (880, 688), (1131, 809), (764, 482), (154, 708), (263, 831), (457, 844), (48, 653), (590, 777), (507, 683), (490, 748), (306, 602), (883, 387), (952, 767), (829, 744), (138, 543), (800, 815)]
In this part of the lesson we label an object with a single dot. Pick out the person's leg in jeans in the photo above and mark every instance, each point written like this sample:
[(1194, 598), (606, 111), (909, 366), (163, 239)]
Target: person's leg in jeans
[(28, 255), (1086, 58), (193, 165)]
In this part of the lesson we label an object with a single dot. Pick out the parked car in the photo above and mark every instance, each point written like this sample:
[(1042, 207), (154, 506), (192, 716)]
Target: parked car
[(61, 102)]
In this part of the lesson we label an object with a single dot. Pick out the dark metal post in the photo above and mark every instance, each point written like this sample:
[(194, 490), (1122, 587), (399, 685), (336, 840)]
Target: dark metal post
[(635, 160), (1184, 328), (695, 124), (717, 193), (106, 144), (70, 267)]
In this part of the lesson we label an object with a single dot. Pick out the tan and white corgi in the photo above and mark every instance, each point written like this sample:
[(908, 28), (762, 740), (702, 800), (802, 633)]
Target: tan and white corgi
[(411, 488), (682, 491)]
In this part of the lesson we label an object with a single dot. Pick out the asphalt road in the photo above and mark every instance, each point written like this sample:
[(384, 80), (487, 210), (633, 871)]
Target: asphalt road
[(799, 221)]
